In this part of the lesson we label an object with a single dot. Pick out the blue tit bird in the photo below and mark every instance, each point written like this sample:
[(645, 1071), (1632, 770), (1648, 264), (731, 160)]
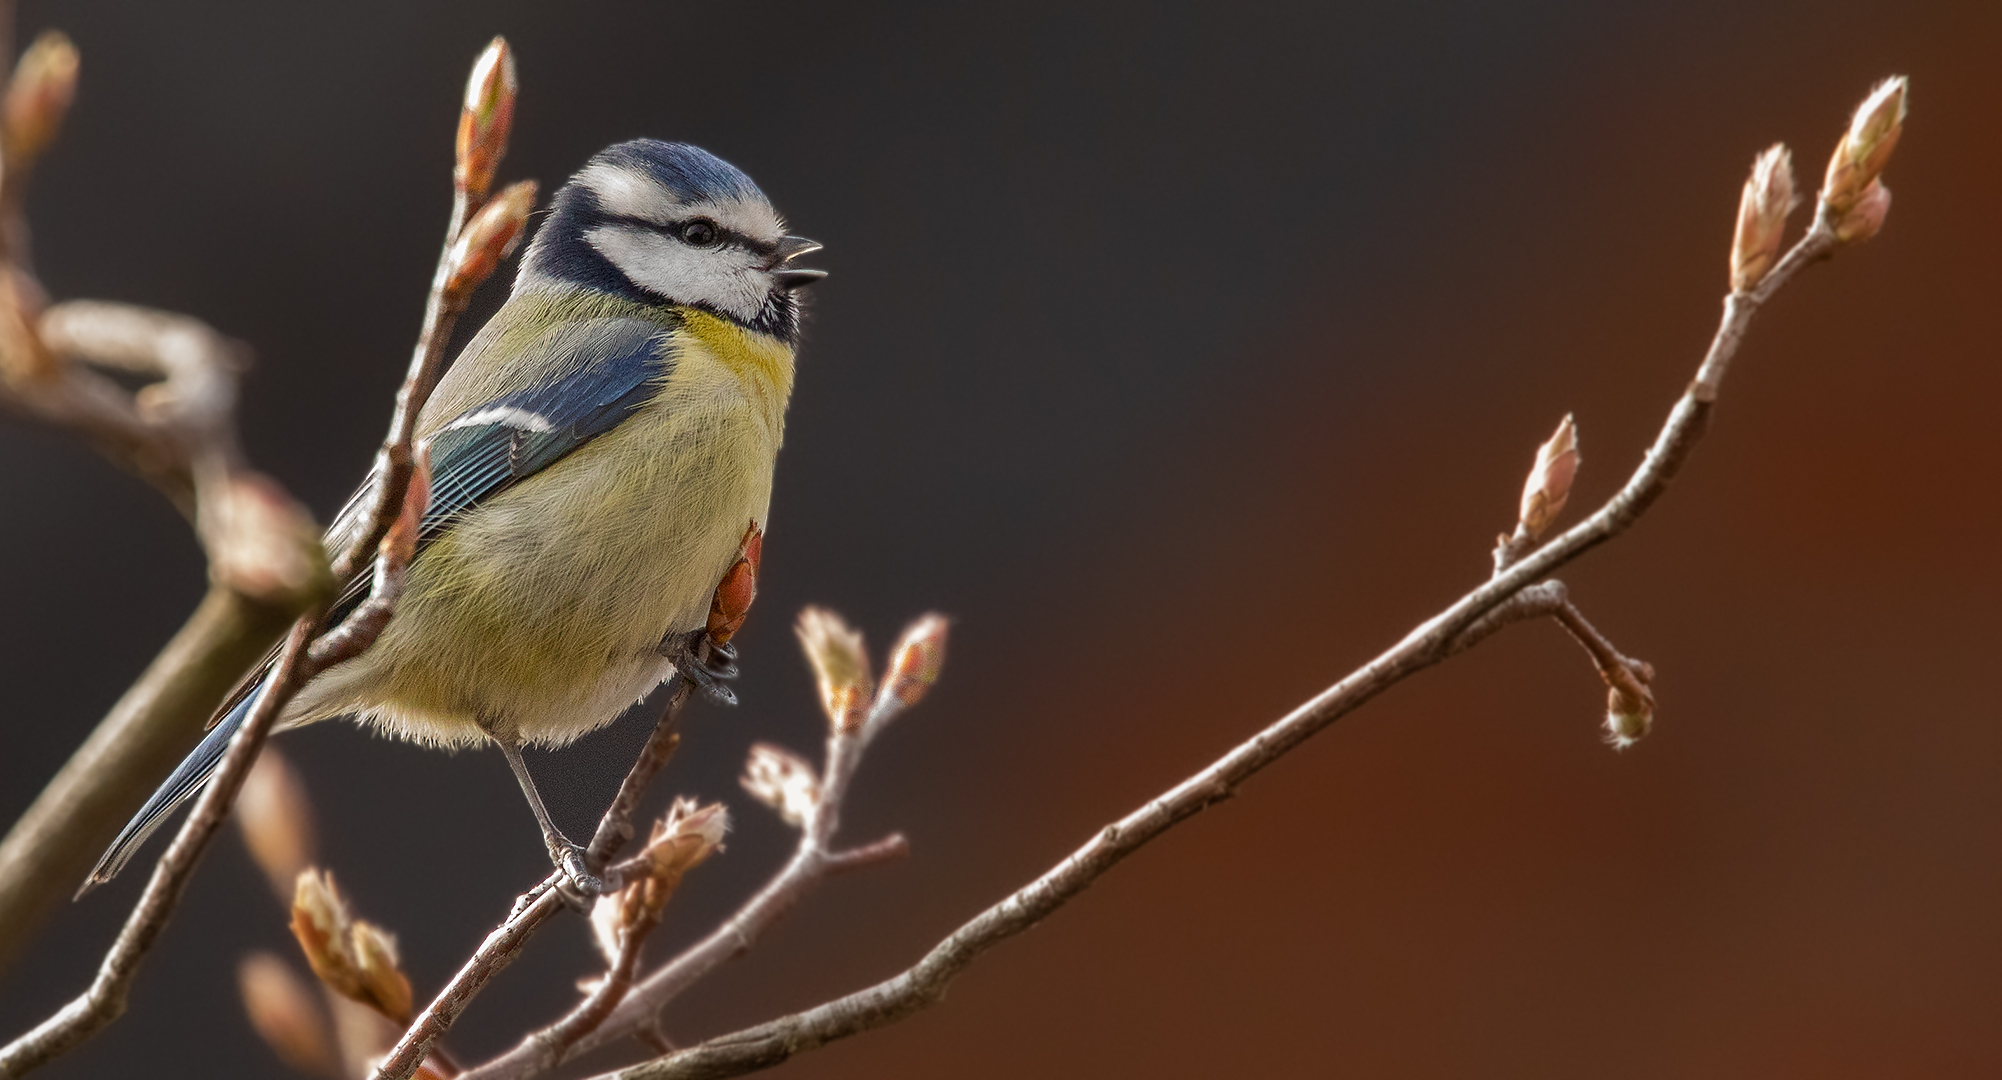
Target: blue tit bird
[(601, 452)]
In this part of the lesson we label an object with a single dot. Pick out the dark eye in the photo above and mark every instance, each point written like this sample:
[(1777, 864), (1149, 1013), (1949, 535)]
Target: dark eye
[(701, 233)]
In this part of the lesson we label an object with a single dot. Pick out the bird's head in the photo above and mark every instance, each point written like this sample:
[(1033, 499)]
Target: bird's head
[(667, 222)]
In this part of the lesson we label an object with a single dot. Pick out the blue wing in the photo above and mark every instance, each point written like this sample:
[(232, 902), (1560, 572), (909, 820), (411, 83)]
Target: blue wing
[(474, 456)]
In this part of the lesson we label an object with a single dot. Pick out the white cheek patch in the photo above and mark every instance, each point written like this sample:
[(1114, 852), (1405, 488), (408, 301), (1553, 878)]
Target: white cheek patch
[(723, 278)]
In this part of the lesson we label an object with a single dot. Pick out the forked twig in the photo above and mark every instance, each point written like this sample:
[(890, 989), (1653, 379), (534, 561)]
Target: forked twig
[(535, 907)]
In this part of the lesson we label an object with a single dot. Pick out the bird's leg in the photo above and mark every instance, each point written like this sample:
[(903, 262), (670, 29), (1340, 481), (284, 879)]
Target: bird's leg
[(703, 661), (568, 857)]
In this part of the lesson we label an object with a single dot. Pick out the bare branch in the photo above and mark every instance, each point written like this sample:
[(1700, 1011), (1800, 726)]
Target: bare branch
[(489, 108), (180, 428), (616, 826), (1474, 616)]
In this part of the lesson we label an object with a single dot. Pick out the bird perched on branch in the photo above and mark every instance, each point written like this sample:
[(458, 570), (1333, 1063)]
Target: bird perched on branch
[(600, 470)]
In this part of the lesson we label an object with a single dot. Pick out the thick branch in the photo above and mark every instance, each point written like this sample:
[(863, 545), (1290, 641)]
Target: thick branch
[(104, 1001), (144, 735)]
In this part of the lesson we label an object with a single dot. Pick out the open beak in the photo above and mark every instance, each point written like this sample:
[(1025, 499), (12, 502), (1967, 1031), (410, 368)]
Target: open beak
[(792, 277)]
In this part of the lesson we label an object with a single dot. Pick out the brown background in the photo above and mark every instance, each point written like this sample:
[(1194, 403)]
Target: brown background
[(1187, 358)]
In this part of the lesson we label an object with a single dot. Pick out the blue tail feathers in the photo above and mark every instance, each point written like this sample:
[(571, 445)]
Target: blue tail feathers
[(188, 779)]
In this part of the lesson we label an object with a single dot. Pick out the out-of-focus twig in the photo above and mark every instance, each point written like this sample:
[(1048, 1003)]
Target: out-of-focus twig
[(144, 735), (254, 548)]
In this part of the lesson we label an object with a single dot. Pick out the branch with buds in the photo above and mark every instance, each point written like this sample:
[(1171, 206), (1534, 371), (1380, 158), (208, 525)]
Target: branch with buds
[(1851, 208), (177, 432), (620, 1003), (264, 558), (261, 546)]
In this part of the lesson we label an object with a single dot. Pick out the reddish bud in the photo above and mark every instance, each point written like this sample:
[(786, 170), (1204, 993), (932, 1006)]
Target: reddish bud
[(489, 238), (917, 659), (1549, 484), (732, 602), (485, 120), (39, 96), (1762, 217), (287, 1014), (399, 545)]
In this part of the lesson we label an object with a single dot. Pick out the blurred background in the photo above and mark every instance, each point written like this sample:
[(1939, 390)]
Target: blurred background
[(1187, 356)]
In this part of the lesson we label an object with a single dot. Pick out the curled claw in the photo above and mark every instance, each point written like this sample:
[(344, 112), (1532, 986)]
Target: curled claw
[(579, 887), (708, 665)]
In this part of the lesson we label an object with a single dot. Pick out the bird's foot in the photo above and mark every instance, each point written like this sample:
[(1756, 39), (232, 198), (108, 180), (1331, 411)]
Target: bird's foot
[(704, 662), (579, 887)]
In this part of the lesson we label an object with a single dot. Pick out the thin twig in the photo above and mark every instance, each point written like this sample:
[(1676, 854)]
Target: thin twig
[(505, 942), (814, 859), (618, 980), (395, 461), (616, 826), (1618, 670)]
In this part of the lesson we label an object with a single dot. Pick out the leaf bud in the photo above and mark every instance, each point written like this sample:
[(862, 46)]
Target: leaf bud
[(1866, 147), (1863, 220), (489, 238), (1762, 217), (399, 544), (1549, 485), (917, 659), (680, 842), (840, 666), (39, 96), (731, 604), (783, 781), (485, 120), (355, 959), (1628, 716)]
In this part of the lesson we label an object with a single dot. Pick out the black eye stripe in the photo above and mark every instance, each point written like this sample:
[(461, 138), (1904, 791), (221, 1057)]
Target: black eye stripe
[(729, 237)]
